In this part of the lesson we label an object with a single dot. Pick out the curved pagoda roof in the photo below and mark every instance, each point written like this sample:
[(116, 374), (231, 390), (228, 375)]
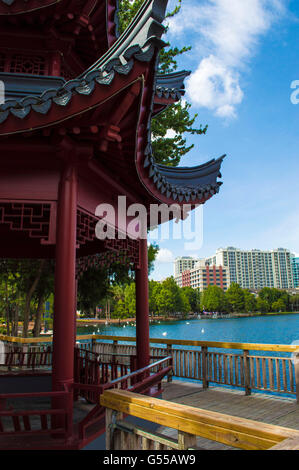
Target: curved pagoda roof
[(128, 70)]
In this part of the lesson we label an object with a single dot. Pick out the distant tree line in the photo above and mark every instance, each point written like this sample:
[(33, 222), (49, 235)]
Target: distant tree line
[(25, 286), (168, 299), (165, 299), (239, 300)]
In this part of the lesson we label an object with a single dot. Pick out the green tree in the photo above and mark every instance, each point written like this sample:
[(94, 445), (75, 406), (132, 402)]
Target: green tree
[(279, 306), (213, 299), (130, 299), (175, 293), (93, 286), (270, 294), (11, 299), (185, 304), (44, 289), (294, 302), (151, 255), (235, 297), (165, 302), (262, 305), (31, 274), (154, 290), (193, 296), (249, 301), (120, 310)]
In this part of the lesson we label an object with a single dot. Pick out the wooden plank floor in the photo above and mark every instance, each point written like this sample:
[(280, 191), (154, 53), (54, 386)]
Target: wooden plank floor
[(260, 407)]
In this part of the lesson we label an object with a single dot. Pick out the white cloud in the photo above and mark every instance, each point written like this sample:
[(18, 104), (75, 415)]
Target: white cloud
[(214, 86), (227, 33), (170, 134), (165, 256)]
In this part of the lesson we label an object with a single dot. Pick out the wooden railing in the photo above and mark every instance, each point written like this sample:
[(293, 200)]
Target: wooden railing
[(245, 369), (37, 421), (141, 381), (188, 421), (245, 365), (27, 357)]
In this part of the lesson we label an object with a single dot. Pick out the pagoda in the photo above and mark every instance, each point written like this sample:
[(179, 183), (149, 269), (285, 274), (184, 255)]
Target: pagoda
[(75, 132)]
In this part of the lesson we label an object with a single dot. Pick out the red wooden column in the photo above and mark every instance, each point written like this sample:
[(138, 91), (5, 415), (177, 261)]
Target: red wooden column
[(65, 284), (142, 308)]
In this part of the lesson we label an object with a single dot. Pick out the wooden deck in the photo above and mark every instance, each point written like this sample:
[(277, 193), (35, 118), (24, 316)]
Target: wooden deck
[(259, 407)]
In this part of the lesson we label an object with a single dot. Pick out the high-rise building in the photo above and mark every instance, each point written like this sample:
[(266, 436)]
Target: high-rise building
[(183, 263), (295, 270), (203, 275), (255, 269)]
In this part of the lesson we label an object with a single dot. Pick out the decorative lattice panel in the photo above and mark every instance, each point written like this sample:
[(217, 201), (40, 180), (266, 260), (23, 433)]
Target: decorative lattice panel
[(125, 252), (28, 217), (129, 246), (85, 227), (32, 64), (23, 62)]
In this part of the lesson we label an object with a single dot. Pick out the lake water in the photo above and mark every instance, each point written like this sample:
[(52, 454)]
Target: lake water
[(271, 329)]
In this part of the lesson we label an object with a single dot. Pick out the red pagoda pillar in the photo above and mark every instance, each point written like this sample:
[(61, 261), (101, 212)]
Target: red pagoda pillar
[(142, 308), (65, 285)]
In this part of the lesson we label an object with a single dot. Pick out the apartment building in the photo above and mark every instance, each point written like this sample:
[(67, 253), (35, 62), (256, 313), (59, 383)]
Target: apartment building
[(203, 275), (295, 270), (183, 263), (255, 269)]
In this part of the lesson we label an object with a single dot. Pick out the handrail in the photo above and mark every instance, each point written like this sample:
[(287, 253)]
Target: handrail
[(145, 382), (34, 395), (138, 372), (230, 430), (122, 378), (178, 342)]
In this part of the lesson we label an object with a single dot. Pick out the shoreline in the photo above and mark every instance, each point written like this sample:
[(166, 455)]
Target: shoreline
[(102, 321), (97, 321), (119, 321)]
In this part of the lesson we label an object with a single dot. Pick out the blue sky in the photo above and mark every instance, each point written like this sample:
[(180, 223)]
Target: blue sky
[(244, 58)]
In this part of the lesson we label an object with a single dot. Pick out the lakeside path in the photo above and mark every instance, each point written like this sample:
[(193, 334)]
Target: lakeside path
[(103, 321)]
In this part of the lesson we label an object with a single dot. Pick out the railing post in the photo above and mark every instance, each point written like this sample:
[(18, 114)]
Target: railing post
[(114, 349), (69, 414), (169, 353), (186, 440), (25, 349), (296, 367), (93, 345), (76, 371), (246, 372), (112, 435), (204, 356)]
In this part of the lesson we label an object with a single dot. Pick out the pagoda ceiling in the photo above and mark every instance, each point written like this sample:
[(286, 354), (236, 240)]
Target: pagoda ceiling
[(79, 30)]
